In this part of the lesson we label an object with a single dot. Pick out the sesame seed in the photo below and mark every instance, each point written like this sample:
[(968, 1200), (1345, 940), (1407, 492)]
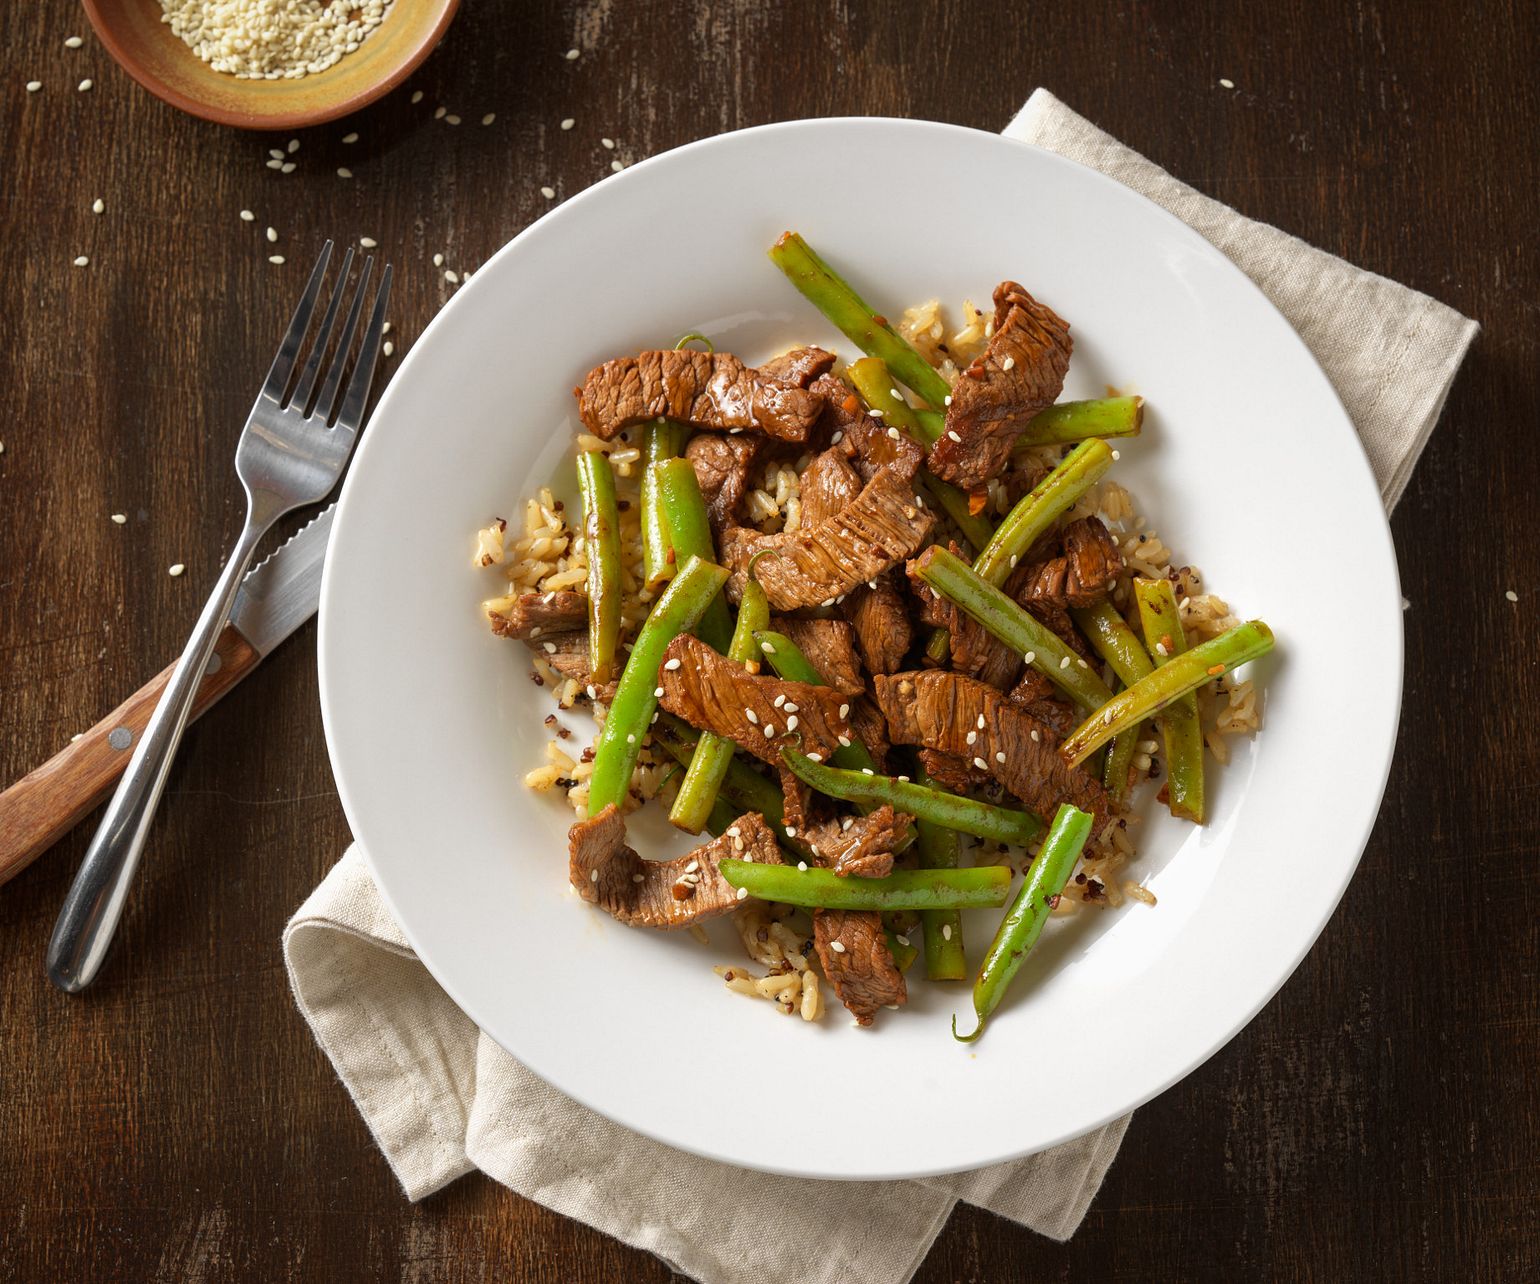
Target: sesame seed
[(548, 192), (81, 260), (671, 664), (389, 348), (272, 234), (948, 400), (368, 242), (440, 112), (84, 84), (489, 118), (769, 730), (276, 153), (868, 771), (572, 55), (175, 569), (791, 724), (972, 736), (73, 42), (1030, 656), (768, 648), (1008, 363), (568, 123), (1107, 718), (550, 647), (981, 764), (33, 86), (743, 893), (1117, 454), (789, 707), (751, 716), (638, 878), (275, 258), (631, 739), (344, 172), (1511, 596), (274, 164), (98, 206), (778, 701), (293, 146), (1064, 663), (417, 96), (837, 946), (897, 395), (1000, 757), (608, 143), (593, 876), (1226, 84), (1036, 738), (438, 260), (1084, 665), (791, 831), (657, 693), (980, 722), (616, 166), (836, 439), (802, 865), (955, 436), (385, 329), (452, 276), (286, 168), (946, 931), (451, 120), (844, 710), (350, 139), (120, 518), (844, 742), (893, 433)]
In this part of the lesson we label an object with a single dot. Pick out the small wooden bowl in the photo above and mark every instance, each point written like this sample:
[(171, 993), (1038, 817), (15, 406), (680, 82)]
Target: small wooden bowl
[(146, 48)]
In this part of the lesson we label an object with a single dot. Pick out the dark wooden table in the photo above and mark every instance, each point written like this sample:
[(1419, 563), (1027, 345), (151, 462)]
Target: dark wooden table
[(1379, 1120)]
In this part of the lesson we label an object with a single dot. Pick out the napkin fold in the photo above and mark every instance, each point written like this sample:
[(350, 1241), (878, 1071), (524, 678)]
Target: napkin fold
[(441, 1098)]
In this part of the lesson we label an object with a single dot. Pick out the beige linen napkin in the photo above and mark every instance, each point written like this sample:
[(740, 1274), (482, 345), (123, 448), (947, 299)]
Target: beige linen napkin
[(441, 1098)]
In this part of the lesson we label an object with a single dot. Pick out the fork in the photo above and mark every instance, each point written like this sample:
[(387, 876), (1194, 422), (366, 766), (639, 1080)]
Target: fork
[(290, 453)]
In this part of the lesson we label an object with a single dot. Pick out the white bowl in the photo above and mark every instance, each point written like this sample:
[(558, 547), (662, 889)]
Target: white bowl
[(1248, 468)]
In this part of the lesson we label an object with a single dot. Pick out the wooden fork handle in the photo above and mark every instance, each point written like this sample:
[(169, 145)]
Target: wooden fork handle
[(40, 808)]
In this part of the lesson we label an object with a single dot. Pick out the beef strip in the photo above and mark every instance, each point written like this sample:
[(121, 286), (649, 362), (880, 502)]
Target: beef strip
[(879, 614), (881, 620), (716, 694), (862, 970), (567, 653), (954, 773), (859, 845), (704, 389), (829, 646), (1093, 561), (1020, 371), (722, 466), (822, 561), (869, 444), (1047, 583), (665, 894), (1039, 697), (942, 710), (871, 729), (530, 615), (800, 366)]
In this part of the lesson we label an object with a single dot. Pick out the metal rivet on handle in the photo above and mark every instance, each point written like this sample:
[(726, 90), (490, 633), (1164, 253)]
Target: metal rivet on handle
[(120, 737)]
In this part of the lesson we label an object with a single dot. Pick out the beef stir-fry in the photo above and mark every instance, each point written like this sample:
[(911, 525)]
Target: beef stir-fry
[(859, 621)]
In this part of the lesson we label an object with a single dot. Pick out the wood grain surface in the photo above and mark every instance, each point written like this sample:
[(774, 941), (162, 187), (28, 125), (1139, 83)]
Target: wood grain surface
[(1379, 1120)]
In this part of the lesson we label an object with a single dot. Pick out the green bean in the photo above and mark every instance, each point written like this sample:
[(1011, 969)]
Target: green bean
[(966, 815), (663, 439), (616, 750), (1179, 675), (956, 581), (1115, 642), (983, 887), (1161, 623), (876, 387), (1023, 922), (742, 786), (601, 541), (787, 660), (870, 332), (901, 948), (713, 753), (944, 956), (1035, 513), (689, 535), (1077, 420)]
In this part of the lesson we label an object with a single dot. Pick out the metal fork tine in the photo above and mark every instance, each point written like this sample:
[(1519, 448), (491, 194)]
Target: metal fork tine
[(328, 398), (288, 350), (352, 412), (301, 396)]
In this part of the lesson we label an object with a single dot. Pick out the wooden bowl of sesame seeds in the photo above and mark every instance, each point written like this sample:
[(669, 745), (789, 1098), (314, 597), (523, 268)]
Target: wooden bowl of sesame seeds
[(305, 67)]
